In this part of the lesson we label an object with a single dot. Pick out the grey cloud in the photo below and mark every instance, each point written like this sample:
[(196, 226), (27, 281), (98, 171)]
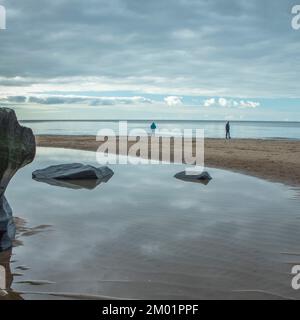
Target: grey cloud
[(236, 47), (14, 99), (93, 101)]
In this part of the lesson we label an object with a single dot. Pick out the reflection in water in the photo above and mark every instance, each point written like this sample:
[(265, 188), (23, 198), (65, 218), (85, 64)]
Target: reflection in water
[(296, 195), (6, 277), (17, 149), (7, 226), (76, 184), (22, 230), (146, 235)]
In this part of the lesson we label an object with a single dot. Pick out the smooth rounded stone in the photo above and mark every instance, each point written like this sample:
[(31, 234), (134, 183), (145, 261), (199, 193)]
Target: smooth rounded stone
[(203, 177), (74, 171)]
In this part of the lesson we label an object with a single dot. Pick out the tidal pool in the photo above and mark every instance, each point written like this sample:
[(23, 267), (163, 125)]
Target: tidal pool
[(146, 235)]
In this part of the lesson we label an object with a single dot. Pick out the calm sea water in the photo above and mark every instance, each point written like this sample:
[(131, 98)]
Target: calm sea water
[(212, 129)]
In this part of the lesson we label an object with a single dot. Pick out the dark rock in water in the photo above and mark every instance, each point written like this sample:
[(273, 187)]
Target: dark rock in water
[(7, 226), (74, 176), (74, 171), (203, 177), (17, 149), (17, 143)]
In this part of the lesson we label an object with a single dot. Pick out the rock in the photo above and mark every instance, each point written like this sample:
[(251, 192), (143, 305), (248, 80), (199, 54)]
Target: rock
[(74, 171), (17, 149), (74, 176), (203, 177), (7, 226), (17, 143)]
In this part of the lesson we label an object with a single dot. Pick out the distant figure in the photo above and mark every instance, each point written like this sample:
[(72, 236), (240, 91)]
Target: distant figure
[(228, 130), (153, 127)]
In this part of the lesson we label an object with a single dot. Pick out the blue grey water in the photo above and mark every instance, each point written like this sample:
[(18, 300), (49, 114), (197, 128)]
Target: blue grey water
[(212, 129), (146, 235)]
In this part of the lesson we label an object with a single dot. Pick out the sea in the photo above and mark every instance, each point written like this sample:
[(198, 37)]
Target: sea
[(212, 129)]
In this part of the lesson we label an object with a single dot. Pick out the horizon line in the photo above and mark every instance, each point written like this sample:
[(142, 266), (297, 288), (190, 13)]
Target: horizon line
[(158, 120)]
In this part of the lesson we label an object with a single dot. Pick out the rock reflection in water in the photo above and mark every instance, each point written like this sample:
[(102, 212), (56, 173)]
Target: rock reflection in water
[(6, 277), (76, 184)]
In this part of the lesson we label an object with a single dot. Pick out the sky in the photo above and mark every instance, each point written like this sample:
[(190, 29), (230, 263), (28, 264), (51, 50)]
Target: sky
[(158, 59)]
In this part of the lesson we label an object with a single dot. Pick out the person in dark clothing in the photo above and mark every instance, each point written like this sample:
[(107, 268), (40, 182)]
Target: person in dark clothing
[(228, 130)]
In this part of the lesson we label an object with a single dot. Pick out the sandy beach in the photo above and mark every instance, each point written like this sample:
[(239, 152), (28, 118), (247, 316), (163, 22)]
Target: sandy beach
[(274, 160)]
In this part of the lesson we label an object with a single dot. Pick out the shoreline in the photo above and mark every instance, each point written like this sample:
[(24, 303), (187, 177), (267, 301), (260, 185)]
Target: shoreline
[(273, 160)]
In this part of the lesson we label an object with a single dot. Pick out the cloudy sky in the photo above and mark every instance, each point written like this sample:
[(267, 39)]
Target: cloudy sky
[(205, 59)]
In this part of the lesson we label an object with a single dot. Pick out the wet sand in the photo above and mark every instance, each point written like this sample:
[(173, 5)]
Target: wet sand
[(275, 160)]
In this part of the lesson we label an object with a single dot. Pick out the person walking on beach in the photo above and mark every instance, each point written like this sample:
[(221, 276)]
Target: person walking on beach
[(228, 130), (153, 127)]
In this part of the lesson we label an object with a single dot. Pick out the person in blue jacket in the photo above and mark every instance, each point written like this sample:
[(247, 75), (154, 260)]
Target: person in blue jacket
[(153, 127)]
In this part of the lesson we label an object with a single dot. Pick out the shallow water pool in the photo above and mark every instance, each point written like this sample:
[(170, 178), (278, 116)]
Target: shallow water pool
[(146, 235)]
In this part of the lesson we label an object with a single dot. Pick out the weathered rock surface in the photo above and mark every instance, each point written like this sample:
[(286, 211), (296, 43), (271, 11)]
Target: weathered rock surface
[(74, 176), (17, 149), (7, 226), (203, 177)]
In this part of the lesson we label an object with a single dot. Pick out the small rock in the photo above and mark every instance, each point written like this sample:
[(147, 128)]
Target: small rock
[(74, 176), (203, 177)]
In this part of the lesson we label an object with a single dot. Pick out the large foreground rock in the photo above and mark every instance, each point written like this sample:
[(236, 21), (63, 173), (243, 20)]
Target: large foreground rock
[(17, 149), (203, 177), (75, 175), (7, 226), (17, 143)]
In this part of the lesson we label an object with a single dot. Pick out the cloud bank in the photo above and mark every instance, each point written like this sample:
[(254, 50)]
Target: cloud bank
[(173, 101), (233, 48), (230, 103), (69, 99)]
